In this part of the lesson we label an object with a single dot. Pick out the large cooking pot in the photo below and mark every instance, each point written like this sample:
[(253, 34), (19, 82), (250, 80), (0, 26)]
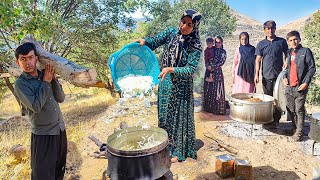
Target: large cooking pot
[(138, 153), (251, 112), (314, 132), (258, 112)]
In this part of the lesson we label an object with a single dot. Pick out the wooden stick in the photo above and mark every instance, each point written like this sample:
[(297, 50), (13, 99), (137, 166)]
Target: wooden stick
[(95, 140), (221, 144)]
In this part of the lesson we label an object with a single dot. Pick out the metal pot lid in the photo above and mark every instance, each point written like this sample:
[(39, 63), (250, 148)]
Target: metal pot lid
[(316, 115), (279, 92)]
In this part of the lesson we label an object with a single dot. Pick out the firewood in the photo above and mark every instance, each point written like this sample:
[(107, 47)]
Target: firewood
[(68, 70), (221, 144)]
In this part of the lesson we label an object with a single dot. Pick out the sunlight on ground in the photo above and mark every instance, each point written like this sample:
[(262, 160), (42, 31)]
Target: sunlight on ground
[(81, 106)]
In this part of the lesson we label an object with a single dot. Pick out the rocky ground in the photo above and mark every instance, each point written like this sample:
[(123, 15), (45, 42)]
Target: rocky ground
[(272, 154)]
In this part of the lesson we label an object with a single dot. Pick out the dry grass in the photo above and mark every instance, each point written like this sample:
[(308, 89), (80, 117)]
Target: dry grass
[(80, 108)]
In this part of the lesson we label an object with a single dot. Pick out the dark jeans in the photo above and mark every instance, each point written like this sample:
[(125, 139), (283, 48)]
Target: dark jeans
[(295, 107), (268, 86), (48, 156)]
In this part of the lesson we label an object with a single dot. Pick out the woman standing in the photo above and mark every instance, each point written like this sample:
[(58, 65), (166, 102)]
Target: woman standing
[(214, 93), (175, 98), (243, 66)]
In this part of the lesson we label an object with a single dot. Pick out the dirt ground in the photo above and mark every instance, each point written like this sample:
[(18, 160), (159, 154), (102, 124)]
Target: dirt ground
[(273, 156)]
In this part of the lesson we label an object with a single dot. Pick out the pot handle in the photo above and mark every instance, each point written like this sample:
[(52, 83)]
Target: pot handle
[(236, 104)]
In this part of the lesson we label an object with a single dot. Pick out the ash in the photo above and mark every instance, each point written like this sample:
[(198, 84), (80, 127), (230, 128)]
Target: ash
[(244, 130)]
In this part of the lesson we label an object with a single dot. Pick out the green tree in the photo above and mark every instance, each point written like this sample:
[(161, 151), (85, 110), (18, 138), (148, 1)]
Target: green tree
[(84, 31), (312, 40), (216, 16), (216, 20)]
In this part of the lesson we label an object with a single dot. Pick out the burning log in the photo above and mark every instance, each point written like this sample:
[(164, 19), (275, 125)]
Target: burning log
[(69, 71)]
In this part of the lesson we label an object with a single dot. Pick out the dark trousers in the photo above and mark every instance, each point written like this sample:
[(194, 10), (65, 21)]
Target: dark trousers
[(295, 108), (48, 156), (268, 86)]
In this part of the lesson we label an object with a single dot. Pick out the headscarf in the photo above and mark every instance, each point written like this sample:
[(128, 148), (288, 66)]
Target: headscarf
[(247, 60), (173, 53)]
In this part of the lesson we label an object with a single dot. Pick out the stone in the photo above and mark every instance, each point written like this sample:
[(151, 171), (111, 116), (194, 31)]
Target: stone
[(261, 141), (18, 152), (316, 149), (316, 174), (307, 146)]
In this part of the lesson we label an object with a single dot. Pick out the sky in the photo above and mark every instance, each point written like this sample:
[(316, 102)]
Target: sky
[(281, 11)]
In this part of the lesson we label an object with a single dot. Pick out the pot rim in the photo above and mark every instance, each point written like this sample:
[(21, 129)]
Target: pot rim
[(251, 94), (133, 154), (137, 153)]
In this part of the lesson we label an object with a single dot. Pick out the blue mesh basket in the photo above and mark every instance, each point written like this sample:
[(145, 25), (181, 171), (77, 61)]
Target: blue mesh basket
[(136, 60)]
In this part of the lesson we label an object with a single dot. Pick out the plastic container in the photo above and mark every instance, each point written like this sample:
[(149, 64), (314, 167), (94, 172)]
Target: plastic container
[(134, 59)]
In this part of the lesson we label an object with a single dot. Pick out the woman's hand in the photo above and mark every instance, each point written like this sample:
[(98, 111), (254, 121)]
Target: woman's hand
[(141, 41), (165, 71)]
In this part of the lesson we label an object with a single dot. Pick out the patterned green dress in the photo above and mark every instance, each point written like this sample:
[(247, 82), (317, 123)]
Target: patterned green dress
[(175, 98)]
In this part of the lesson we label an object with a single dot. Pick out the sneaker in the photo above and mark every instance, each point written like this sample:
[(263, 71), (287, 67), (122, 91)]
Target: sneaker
[(290, 132), (272, 125)]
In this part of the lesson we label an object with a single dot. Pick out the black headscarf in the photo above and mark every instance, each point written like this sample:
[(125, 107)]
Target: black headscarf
[(173, 53), (247, 60)]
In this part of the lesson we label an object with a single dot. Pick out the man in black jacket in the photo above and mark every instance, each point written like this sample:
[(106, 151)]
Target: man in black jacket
[(300, 70)]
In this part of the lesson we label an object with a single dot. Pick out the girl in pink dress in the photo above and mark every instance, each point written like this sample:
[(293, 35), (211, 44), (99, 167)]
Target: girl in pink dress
[(243, 66)]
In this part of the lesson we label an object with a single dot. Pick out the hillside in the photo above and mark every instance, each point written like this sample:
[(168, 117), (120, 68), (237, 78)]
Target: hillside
[(255, 30)]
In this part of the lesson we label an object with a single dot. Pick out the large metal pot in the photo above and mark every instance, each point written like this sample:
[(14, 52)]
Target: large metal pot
[(315, 127), (149, 162), (258, 112), (251, 112)]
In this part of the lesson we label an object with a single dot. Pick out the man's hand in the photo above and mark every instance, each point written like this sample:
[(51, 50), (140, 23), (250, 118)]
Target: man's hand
[(165, 71), (48, 73), (141, 41), (285, 82), (285, 65), (256, 79), (209, 67), (303, 87)]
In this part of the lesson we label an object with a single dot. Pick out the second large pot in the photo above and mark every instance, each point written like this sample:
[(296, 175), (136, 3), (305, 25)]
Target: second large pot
[(251, 112), (126, 162)]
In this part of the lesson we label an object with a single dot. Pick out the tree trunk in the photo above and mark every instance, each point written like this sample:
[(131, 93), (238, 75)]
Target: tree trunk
[(69, 71)]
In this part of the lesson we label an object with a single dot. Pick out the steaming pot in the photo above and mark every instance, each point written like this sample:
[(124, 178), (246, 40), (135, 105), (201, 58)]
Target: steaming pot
[(150, 163)]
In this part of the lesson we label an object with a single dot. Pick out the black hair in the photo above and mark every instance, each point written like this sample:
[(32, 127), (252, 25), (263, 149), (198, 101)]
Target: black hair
[(219, 37), (269, 24), (246, 34), (210, 39), (24, 49), (293, 33)]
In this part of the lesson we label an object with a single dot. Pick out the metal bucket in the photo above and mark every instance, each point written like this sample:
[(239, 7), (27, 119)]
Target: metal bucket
[(315, 127), (251, 112), (144, 163)]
